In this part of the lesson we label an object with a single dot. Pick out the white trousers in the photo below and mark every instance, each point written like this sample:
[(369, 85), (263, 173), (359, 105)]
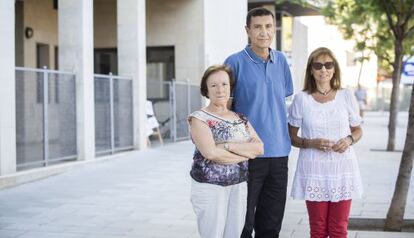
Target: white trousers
[(220, 210)]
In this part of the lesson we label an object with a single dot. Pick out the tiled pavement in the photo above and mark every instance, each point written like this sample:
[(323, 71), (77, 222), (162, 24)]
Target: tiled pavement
[(146, 194)]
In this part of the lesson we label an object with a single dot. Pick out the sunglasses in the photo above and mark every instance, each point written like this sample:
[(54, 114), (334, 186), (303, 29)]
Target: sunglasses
[(318, 66)]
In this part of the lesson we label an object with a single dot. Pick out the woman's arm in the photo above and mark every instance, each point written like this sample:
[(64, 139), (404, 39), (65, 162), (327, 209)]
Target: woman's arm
[(250, 149), (294, 138), (318, 143), (204, 141), (343, 144)]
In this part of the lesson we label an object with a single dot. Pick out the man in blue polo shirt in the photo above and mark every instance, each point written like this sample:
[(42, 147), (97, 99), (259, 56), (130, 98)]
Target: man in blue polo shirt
[(263, 81)]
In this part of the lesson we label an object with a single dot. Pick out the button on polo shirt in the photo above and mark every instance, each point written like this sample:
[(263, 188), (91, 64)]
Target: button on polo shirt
[(260, 92)]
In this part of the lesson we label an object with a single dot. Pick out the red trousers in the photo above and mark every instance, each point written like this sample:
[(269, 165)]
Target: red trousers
[(328, 219)]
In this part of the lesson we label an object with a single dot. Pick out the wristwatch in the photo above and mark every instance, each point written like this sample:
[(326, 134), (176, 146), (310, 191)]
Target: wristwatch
[(226, 147), (352, 139)]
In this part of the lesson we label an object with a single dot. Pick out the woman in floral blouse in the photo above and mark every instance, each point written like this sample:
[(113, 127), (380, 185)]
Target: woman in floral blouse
[(224, 142)]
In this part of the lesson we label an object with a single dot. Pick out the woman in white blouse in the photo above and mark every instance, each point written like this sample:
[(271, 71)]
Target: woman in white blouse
[(327, 174)]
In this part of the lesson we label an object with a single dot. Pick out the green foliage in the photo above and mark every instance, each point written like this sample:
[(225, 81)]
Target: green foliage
[(375, 25)]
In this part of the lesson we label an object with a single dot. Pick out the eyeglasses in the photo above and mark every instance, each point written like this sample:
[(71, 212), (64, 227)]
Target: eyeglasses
[(318, 66)]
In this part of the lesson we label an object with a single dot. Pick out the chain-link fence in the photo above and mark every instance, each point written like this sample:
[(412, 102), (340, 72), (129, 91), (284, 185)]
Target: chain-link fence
[(173, 101), (45, 117), (113, 114)]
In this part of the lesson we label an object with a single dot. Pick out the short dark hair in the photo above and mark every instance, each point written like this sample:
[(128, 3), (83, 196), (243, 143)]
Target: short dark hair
[(257, 12), (310, 84), (211, 70)]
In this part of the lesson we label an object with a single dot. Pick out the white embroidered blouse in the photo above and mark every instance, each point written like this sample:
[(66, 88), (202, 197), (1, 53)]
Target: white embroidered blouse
[(326, 176)]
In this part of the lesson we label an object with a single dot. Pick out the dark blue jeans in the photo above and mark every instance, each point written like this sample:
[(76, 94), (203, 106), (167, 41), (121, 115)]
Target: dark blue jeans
[(266, 197)]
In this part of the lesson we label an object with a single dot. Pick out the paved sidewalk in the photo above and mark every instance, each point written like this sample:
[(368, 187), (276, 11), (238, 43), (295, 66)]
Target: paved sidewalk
[(146, 194)]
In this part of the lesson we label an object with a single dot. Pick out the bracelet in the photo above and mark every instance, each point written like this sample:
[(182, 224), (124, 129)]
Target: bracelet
[(352, 139)]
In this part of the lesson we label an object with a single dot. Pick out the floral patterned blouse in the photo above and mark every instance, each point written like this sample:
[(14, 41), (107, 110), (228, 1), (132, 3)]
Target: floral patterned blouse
[(223, 130)]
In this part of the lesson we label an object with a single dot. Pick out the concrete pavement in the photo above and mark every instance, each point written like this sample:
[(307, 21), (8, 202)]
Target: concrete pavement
[(146, 194)]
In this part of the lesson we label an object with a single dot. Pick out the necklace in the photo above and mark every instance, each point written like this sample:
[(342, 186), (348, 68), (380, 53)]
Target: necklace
[(325, 93)]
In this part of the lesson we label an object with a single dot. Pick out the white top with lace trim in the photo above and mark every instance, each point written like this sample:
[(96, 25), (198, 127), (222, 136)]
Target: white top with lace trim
[(326, 176)]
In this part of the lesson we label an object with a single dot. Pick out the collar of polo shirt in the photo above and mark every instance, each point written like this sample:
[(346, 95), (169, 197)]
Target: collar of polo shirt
[(255, 58)]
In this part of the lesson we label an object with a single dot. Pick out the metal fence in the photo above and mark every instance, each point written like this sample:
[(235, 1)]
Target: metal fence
[(113, 114), (159, 93), (173, 101), (45, 117), (186, 99), (46, 114)]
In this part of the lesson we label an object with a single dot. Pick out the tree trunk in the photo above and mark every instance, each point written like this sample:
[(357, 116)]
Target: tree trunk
[(396, 76), (395, 215)]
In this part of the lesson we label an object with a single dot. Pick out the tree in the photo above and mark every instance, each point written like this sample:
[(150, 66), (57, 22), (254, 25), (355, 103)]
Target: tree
[(395, 215), (400, 16)]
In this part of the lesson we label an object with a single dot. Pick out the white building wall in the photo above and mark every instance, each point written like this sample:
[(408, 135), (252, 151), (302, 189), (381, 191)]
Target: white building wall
[(300, 53), (105, 23), (7, 89), (224, 32), (178, 23), (43, 19)]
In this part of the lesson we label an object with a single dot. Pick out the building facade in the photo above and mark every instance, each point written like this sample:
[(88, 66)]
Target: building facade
[(103, 59)]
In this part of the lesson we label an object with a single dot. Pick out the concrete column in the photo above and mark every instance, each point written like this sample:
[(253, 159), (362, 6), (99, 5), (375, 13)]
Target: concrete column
[(7, 89), (230, 37), (300, 52), (76, 55), (132, 60)]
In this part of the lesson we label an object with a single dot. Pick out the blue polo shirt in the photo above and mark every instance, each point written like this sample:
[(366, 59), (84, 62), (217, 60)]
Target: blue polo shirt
[(260, 92)]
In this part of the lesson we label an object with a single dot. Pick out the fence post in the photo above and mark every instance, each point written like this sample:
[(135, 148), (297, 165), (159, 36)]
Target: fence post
[(111, 111), (171, 109), (188, 103), (45, 116), (174, 110)]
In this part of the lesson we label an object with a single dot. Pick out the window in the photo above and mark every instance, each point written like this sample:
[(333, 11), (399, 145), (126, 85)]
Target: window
[(56, 80), (56, 58), (42, 60), (106, 61), (160, 69)]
